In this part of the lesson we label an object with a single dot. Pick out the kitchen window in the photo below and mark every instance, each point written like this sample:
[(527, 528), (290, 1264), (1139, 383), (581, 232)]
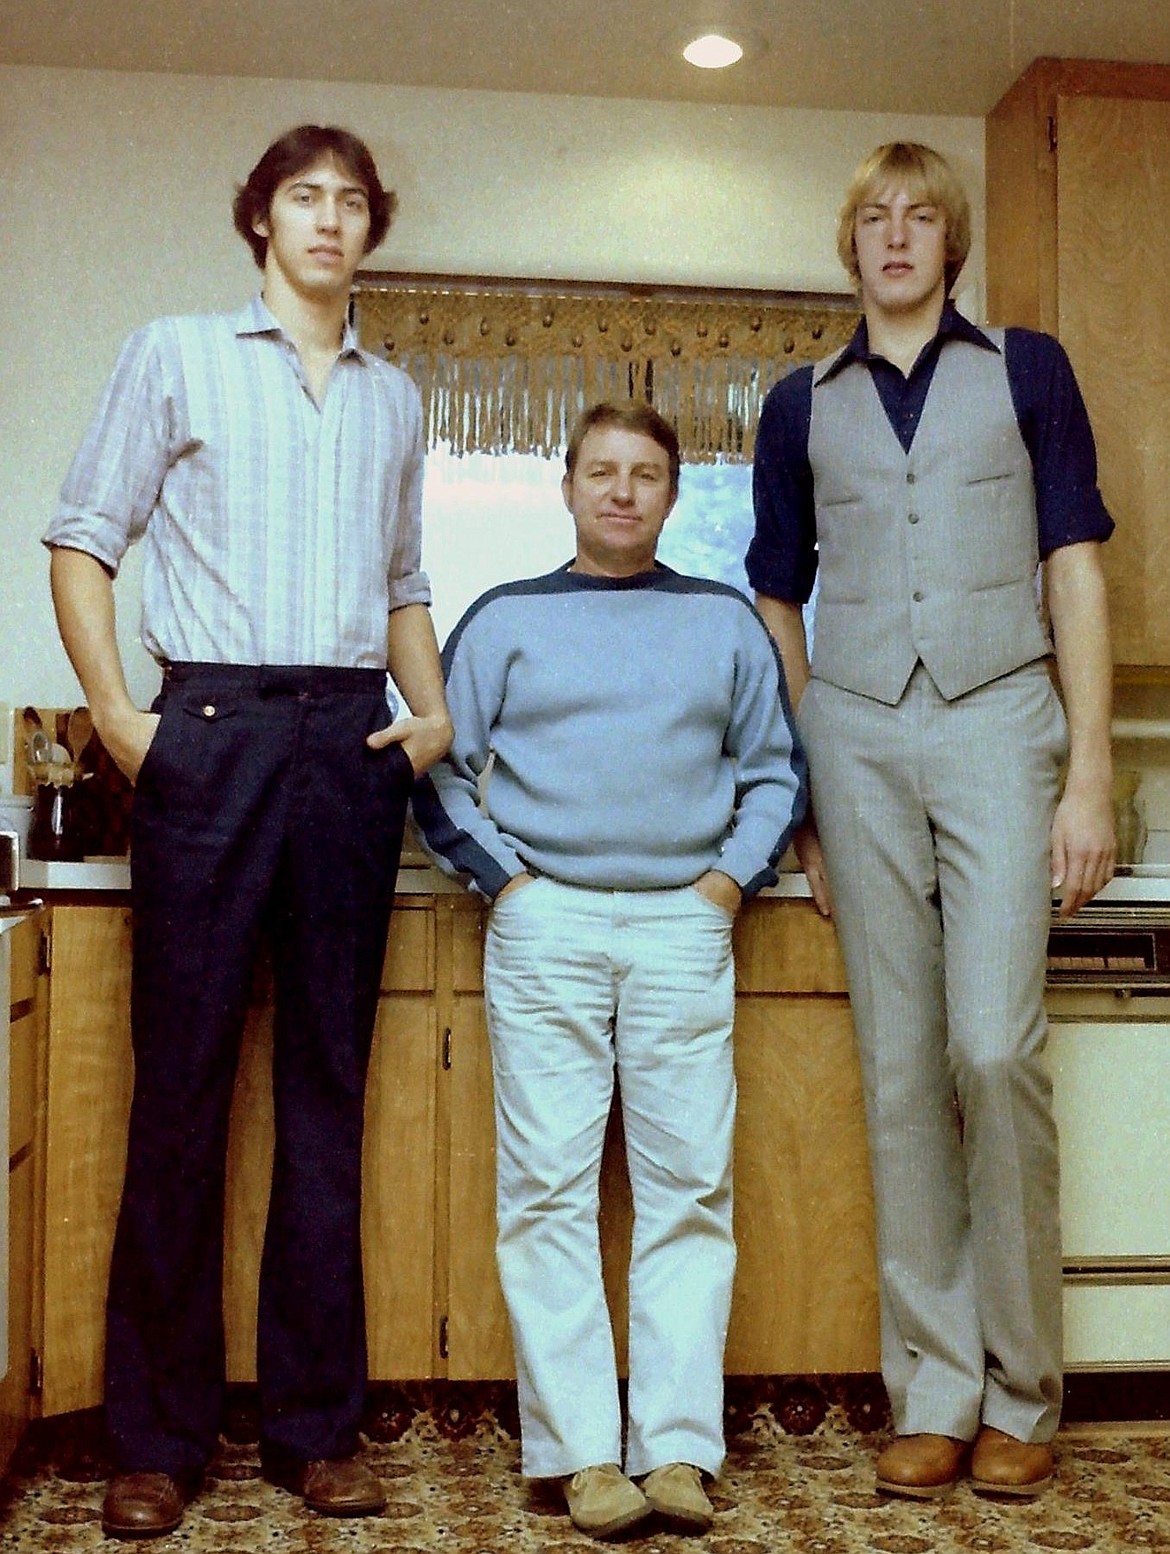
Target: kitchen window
[(504, 367)]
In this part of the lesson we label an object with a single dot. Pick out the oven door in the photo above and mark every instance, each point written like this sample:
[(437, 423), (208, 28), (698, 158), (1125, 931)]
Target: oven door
[(1109, 1055)]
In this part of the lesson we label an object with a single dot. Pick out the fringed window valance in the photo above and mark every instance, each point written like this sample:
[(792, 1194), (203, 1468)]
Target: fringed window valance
[(507, 367)]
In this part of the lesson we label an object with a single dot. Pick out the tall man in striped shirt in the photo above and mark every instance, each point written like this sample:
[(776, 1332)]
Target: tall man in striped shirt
[(273, 470)]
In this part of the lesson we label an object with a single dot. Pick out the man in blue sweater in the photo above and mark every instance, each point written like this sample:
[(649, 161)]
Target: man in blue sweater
[(645, 779)]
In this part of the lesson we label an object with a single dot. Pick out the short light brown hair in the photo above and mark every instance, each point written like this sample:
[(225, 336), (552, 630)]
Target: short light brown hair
[(926, 176), (633, 415)]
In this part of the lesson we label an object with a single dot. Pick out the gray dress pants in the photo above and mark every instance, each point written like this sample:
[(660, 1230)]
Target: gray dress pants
[(935, 818)]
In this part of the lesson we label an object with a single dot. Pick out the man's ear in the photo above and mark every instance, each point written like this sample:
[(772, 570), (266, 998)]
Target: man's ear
[(260, 226), (567, 491)]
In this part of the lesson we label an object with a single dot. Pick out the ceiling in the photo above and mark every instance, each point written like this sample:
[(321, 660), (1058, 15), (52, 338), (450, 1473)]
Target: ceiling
[(890, 56)]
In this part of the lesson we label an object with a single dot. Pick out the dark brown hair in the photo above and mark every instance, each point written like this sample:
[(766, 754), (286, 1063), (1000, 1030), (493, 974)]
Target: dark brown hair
[(291, 154), (632, 415)]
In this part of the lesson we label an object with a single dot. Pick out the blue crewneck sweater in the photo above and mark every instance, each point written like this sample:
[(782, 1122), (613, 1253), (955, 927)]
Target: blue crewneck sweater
[(639, 733)]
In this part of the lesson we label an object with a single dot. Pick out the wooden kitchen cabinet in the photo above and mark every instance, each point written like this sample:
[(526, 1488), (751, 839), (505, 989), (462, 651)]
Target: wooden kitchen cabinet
[(805, 1295), (398, 1213), (87, 1103), (806, 1290), (16, 1399), (1078, 244), (83, 1147)]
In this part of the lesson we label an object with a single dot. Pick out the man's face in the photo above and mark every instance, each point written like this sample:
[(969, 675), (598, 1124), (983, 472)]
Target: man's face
[(317, 227), (619, 495), (901, 244)]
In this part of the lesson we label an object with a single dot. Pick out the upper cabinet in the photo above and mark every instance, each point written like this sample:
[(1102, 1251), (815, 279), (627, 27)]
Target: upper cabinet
[(1078, 244)]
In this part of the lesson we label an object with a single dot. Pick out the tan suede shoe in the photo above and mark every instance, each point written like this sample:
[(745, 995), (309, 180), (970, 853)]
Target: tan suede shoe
[(921, 1467), (676, 1493), (602, 1501), (1001, 1465)]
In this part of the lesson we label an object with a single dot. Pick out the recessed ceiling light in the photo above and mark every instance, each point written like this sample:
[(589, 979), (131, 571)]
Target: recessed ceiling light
[(713, 51)]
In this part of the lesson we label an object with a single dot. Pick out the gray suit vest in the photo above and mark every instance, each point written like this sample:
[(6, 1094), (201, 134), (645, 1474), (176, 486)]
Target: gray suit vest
[(929, 556)]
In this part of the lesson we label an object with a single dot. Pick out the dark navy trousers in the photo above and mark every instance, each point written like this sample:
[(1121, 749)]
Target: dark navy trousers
[(259, 810)]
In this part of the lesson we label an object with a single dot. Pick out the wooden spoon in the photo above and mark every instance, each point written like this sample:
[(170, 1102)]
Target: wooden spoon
[(78, 732)]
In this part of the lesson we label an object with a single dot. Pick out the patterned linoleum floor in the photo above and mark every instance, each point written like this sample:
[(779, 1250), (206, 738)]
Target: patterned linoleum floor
[(798, 1478)]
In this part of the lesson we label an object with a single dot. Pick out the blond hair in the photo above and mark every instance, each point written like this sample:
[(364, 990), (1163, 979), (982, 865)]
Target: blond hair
[(926, 176)]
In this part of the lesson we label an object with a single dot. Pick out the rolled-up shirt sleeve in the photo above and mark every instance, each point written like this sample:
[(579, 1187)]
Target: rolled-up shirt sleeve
[(1054, 424), (115, 478), (408, 583), (782, 557)]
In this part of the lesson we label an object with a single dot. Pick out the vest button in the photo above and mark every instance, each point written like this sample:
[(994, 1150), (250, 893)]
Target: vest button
[(917, 596), (913, 518), (911, 477)]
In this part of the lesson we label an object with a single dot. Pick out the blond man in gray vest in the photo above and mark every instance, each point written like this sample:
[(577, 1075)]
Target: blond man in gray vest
[(928, 472)]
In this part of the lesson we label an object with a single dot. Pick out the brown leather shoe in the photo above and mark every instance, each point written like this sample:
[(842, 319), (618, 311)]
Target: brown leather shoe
[(143, 1505), (341, 1486), (1001, 1465), (921, 1467)]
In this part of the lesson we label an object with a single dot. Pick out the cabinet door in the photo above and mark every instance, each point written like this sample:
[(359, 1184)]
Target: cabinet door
[(806, 1284), (398, 1216), (15, 1402), (89, 1078), (1113, 256), (805, 1293), (479, 1339)]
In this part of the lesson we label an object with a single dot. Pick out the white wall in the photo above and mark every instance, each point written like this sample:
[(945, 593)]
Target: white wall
[(114, 207)]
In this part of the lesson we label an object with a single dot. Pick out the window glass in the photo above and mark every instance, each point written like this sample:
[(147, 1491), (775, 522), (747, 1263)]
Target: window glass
[(489, 518)]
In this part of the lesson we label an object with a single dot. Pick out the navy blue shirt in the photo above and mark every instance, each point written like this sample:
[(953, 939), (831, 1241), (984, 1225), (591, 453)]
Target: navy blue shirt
[(1053, 421)]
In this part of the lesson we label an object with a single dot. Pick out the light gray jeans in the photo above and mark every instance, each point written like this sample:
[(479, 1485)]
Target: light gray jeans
[(582, 985)]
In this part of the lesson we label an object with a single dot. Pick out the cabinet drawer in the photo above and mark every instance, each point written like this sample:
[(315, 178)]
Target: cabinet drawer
[(786, 947), (25, 939), (1110, 1079), (23, 1050), (1126, 1326)]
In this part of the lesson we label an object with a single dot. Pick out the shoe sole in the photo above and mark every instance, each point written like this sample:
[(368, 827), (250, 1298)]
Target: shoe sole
[(616, 1525), (130, 1534), (683, 1522), (983, 1486), (691, 1521), (324, 1508), (916, 1491)]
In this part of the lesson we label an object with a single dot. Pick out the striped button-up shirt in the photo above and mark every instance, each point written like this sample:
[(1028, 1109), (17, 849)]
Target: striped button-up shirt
[(276, 530)]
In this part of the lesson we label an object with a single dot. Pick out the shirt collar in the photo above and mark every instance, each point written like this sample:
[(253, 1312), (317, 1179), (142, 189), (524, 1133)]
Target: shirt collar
[(258, 319), (951, 326)]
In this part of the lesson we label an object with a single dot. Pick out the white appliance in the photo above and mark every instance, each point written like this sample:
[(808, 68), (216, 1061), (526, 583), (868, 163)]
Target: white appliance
[(1109, 1055)]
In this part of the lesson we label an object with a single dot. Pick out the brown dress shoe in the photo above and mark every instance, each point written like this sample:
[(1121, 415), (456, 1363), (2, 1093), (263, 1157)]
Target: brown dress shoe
[(143, 1505), (341, 1486), (1001, 1465), (921, 1467)]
